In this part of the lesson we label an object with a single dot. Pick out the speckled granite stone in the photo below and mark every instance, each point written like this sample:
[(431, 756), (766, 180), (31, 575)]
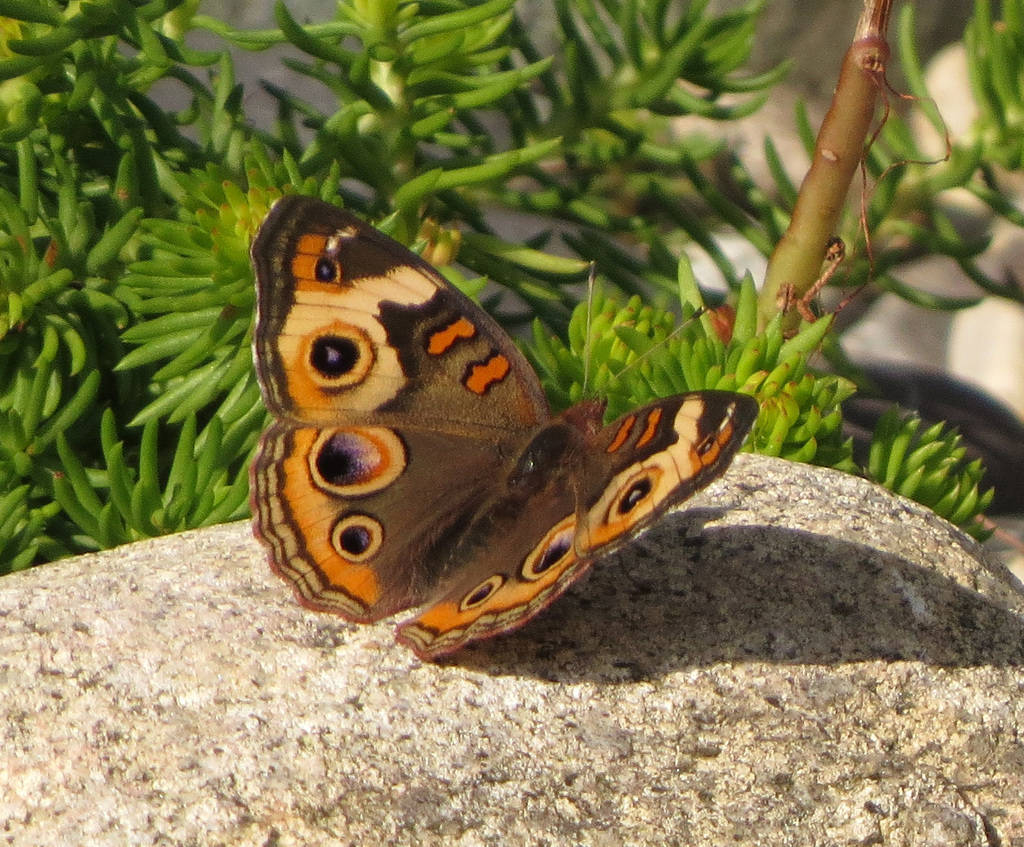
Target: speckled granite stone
[(800, 659)]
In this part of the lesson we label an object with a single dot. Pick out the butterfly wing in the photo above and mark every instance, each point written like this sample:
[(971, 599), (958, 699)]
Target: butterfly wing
[(503, 584), (514, 557), (353, 327), (649, 460), (362, 519)]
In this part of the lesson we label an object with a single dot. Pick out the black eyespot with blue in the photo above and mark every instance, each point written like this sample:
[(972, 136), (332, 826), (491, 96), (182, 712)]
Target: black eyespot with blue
[(334, 357)]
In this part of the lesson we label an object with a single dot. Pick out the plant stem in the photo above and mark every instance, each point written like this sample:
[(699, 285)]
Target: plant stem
[(798, 256)]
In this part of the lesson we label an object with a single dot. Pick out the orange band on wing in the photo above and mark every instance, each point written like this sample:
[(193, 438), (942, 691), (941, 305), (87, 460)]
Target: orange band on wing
[(308, 251), (324, 577), (653, 419), (708, 452), (482, 375), (621, 435), (443, 339)]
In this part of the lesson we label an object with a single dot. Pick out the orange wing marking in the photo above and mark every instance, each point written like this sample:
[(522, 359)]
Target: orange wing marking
[(443, 339), (653, 419), (480, 376), (308, 251), (621, 435)]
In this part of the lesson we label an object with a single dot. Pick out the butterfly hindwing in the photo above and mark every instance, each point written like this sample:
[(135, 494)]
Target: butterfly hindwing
[(358, 518), (505, 576)]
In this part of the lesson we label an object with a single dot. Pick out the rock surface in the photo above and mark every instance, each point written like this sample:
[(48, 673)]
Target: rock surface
[(799, 659)]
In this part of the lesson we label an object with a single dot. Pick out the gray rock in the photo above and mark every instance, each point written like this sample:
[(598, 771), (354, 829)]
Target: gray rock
[(799, 659)]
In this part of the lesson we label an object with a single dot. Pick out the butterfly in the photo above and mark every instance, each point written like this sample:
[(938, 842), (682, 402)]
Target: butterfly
[(413, 461)]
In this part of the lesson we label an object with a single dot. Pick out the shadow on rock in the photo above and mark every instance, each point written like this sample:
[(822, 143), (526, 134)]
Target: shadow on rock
[(755, 594)]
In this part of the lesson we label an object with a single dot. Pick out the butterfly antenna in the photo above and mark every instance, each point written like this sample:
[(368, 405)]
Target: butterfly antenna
[(678, 330), (590, 325)]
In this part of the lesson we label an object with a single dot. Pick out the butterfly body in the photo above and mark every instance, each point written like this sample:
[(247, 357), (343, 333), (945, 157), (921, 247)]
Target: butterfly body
[(413, 460)]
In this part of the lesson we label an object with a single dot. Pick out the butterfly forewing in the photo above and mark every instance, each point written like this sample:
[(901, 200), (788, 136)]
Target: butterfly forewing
[(653, 458), (353, 326)]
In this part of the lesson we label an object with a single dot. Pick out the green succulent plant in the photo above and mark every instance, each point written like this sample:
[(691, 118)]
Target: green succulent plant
[(128, 403)]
